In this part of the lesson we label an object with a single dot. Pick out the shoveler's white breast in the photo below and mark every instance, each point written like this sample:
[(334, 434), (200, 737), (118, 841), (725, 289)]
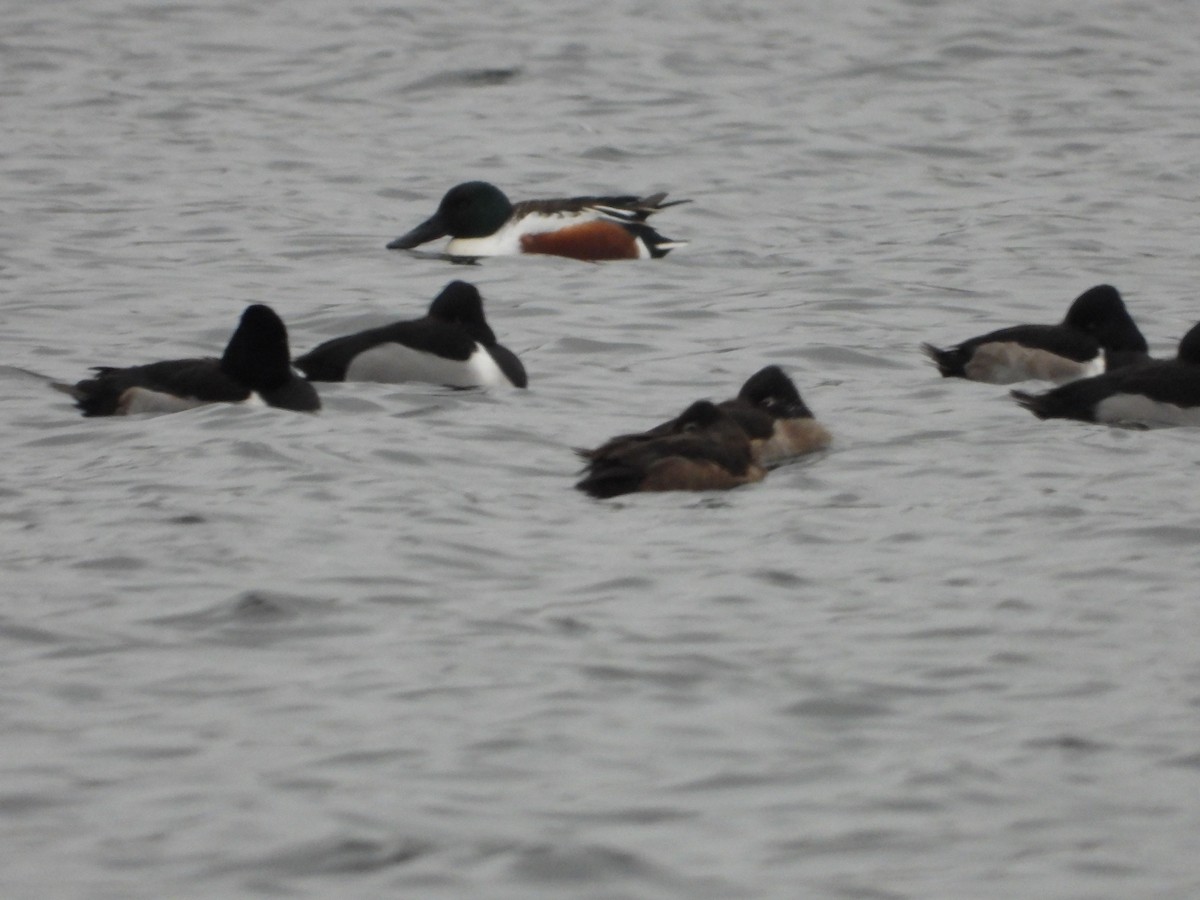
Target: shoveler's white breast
[(1008, 363), (1138, 409), (394, 363)]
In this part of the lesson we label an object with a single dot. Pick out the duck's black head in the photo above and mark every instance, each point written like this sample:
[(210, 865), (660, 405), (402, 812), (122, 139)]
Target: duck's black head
[(771, 390)]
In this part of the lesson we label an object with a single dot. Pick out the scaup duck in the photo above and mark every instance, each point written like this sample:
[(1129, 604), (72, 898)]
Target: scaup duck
[(451, 345), (254, 366), (1097, 325), (1154, 393)]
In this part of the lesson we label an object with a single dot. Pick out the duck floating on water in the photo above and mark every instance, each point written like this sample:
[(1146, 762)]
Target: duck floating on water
[(451, 345), (1097, 334), (481, 221), (255, 367)]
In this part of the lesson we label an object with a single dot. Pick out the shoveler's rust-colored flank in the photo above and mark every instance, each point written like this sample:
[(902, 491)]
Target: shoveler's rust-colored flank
[(588, 241)]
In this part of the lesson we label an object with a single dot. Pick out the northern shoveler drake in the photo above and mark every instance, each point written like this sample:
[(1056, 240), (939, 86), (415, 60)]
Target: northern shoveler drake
[(451, 345), (1097, 334), (255, 367), (1154, 393), (769, 410), (710, 451), (481, 221)]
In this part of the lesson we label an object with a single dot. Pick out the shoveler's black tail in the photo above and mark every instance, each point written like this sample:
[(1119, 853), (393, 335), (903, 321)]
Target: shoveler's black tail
[(951, 362), (657, 244)]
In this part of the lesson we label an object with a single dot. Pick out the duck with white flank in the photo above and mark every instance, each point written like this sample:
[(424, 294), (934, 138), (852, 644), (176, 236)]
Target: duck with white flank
[(1097, 334), (451, 345), (481, 221), (254, 368), (1153, 393)]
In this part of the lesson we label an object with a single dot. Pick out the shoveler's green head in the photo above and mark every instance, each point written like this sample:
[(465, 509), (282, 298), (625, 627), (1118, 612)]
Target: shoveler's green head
[(472, 209)]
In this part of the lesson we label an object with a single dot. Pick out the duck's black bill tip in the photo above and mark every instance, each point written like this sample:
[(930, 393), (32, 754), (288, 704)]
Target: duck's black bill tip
[(429, 230)]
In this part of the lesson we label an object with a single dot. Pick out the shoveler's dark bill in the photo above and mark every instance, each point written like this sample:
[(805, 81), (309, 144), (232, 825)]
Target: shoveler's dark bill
[(430, 230)]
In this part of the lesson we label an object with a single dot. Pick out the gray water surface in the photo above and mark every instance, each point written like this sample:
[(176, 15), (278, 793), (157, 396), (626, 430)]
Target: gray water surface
[(387, 651)]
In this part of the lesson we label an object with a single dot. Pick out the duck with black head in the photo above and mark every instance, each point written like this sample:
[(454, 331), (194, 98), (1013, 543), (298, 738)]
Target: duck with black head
[(452, 344), (1097, 335), (1154, 393), (481, 221), (255, 367)]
